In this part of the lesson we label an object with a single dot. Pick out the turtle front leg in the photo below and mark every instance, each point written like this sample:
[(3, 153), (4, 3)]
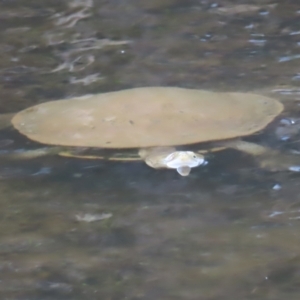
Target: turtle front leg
[(247, 147), (267, 158)]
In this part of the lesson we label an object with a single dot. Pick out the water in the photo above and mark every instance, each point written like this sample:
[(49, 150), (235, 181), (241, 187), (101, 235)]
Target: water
[(85, 229)]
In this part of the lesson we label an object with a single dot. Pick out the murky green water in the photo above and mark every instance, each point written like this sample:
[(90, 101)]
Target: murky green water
[(82, 229)]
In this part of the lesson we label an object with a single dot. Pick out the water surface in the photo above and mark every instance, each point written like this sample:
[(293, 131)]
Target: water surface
[(81, 229)]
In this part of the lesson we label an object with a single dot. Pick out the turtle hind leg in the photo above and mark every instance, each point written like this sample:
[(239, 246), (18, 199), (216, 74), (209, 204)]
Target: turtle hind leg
[(30, 154), (267, 158)]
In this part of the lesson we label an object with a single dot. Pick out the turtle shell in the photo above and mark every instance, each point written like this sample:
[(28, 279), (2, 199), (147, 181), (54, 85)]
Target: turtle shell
[(146, 117)]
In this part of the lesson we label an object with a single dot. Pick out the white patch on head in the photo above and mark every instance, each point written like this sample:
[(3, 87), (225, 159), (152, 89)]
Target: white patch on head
[(180, 159), (167, 157)]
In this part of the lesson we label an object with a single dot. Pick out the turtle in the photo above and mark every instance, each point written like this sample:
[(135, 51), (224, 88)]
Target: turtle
[(149, 123)]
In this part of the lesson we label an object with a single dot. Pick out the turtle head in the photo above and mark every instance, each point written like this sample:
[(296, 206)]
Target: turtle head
[(183, 161)]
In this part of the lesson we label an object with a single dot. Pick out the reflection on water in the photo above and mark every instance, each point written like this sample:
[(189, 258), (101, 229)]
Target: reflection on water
[(83, 229)]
